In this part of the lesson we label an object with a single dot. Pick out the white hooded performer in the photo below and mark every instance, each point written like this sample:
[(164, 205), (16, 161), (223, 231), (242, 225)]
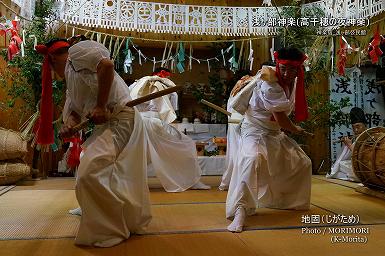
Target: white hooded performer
[(271, 169), (172, 153), (111, 185), (342, 167)]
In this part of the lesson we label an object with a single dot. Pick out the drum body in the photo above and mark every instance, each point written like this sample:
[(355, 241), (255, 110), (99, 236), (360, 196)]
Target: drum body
[(368, 158)]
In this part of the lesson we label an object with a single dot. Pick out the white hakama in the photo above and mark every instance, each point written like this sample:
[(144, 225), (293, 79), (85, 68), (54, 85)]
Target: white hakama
[(232, 147), (171, 153), (111, 185), (342, 168)]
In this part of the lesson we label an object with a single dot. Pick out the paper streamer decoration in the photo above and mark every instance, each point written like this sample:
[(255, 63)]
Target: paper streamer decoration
[(223, 57), (181, 58), (22, 44), (35, 40), (127, 66), (164, 55), (110, 44), (251, 56), (233, 62), (105, 40), (190, 59), (140, 57), (169, 54)]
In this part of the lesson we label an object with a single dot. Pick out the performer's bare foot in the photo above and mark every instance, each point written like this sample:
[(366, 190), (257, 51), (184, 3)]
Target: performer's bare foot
[(76, 211), (223, 187), (200, 185), (239, 219)]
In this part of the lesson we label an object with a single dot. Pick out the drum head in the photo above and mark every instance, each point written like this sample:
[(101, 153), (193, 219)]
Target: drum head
[(368, 157)]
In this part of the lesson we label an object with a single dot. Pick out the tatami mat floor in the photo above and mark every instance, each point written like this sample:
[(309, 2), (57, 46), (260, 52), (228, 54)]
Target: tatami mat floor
[(34, 221)]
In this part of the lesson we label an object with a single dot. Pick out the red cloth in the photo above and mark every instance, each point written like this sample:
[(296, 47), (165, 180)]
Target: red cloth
[(301, 109), (374, 47), (163, 74), (341, 53), (13, 49), (14, 46), (45, 132), (73, 159), (15, 42)]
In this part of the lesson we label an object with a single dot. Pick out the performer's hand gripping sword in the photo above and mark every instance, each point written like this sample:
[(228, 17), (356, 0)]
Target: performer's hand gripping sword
[(133, 103)]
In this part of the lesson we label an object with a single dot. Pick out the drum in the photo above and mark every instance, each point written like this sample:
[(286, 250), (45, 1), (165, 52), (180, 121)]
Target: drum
[(368, 158)]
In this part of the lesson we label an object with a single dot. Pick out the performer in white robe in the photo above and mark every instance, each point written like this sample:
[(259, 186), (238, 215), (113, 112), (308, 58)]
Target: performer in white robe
[(342, 167), (233, 133), (272, 170), (111, 185), (233, 137), (172, 154)]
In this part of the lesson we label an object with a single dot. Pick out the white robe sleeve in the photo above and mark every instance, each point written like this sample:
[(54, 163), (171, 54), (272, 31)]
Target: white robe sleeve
[(273, 97), (68, 108), (240, 101), (174, 100), (87, 55)]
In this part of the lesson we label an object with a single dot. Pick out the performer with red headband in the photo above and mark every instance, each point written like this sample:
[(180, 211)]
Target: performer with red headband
[(271, 169), (111, 185), (172, 154)]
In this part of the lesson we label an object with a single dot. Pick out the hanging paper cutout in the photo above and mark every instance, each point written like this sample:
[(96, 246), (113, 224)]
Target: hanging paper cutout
[(127, 66), (181, 58), (190, 59), (22, 44), (223, 58), (140, 57), (164, 55), (35, 40), (232, 60), (251, 56), (169, 57)]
